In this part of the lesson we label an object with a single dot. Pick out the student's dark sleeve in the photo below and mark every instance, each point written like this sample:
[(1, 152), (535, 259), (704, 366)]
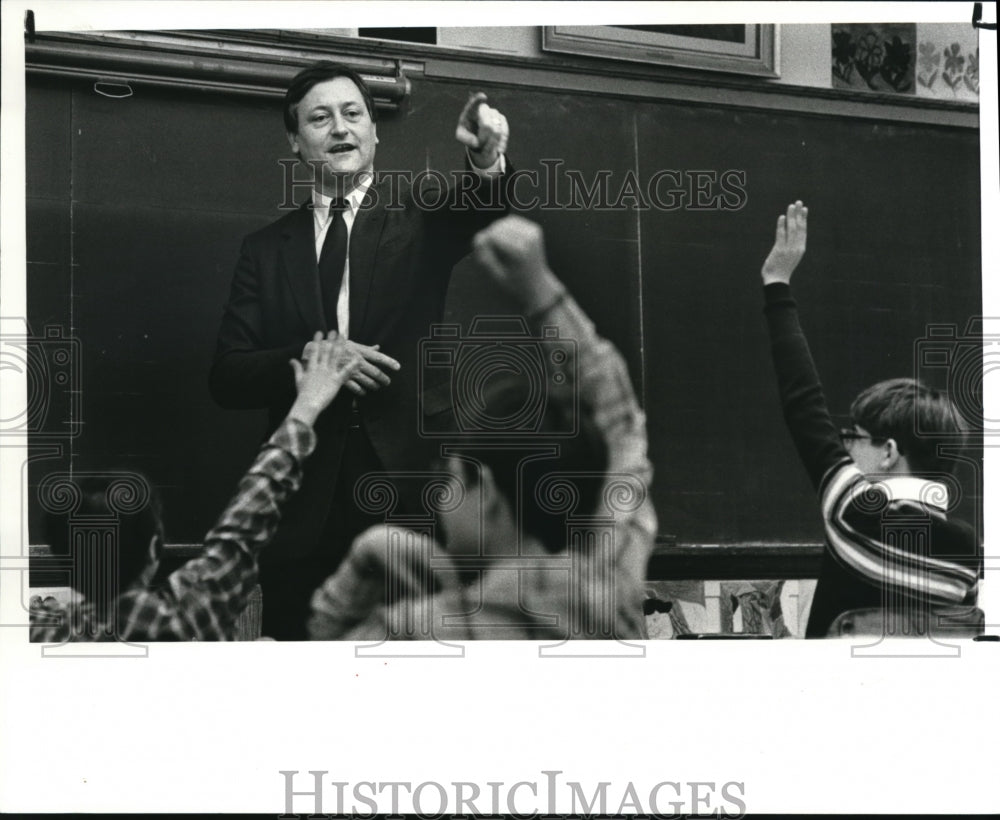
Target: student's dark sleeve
[(802, 399)]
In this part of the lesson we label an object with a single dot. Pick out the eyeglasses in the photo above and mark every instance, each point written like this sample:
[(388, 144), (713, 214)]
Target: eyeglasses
[(848, 436)]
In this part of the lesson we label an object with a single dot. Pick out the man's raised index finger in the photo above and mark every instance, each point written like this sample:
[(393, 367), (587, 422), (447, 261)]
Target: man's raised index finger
[(471, 111)]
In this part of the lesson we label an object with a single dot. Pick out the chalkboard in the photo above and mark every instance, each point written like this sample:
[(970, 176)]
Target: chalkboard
[(137, 206)]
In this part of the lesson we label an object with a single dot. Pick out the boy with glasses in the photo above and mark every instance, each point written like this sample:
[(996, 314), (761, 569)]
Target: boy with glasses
[(890, 543)]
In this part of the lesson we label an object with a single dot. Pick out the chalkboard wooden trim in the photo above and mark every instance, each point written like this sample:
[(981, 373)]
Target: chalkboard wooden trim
[(119, 59), (726, 562), (822, 102), (261, 62), (669, 562)]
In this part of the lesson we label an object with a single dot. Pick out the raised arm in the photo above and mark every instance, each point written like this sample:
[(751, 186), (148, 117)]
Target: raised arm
[(853, 505), (802, 399), (484, 132), (203, 599), (480, 194), (513, 251)]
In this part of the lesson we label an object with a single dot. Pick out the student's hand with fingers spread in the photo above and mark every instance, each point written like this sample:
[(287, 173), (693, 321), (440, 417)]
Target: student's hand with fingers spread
[(331, 363), (512, 250), (373, 373), (789, 245), (483, 130)]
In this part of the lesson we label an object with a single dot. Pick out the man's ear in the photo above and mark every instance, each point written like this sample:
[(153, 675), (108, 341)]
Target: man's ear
[(155, 547), (375, 132), (890, 456), (293, 141)]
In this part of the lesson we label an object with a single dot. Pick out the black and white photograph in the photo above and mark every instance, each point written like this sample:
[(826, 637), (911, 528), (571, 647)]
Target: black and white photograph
[(526, 408)]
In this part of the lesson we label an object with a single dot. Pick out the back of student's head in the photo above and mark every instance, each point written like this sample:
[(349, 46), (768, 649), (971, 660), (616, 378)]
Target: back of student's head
[(110, 520), (537, 484), (916, 416), (654, 605)]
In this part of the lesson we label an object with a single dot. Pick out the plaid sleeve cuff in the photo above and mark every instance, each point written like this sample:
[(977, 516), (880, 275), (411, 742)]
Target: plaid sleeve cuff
[(294, 437)]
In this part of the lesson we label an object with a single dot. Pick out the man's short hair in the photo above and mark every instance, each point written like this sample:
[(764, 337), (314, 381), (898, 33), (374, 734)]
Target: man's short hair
[(312, 75), (134, 530), (522, 476), (916, 416)]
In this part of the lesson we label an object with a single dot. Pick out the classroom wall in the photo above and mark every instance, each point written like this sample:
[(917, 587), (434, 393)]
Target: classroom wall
[(137, 206), (804, 52)]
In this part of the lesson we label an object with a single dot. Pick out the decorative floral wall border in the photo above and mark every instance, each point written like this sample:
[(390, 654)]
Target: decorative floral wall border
[(958, 70)]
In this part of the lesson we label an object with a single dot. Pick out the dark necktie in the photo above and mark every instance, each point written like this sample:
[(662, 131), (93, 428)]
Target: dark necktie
[(332, 260)]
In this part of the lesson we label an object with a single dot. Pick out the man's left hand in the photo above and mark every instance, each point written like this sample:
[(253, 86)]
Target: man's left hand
[(483, 130)]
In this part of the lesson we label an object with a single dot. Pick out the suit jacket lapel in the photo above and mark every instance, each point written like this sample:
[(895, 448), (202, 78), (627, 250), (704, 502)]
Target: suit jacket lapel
[(365, 237), (299, 258)]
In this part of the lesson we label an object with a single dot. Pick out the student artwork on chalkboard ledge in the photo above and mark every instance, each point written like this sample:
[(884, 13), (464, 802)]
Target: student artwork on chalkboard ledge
[(705, 608), (875, 56)]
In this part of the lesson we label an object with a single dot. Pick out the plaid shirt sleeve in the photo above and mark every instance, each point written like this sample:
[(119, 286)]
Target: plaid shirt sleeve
[(203, 599), (352, 604), (604, 390)]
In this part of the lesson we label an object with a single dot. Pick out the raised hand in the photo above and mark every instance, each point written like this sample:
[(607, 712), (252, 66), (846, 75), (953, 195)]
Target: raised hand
[(789, 245), (483, 130), (512, 250), (371, 375), (319, 376)]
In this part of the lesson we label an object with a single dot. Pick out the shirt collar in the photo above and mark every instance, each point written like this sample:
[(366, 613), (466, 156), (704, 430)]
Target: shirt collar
[(911, 488), (354, 198)]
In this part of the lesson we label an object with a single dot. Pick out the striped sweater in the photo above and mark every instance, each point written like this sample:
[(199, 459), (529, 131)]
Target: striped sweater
[(889, 540)]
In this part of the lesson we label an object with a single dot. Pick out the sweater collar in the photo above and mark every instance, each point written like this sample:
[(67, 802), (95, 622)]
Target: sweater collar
[(912, 488)]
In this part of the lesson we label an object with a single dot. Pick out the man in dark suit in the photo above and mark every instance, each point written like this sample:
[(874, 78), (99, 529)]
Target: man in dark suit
[(370, 260)]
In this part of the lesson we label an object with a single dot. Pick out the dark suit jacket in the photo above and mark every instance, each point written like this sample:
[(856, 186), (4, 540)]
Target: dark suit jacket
[(401, 256)]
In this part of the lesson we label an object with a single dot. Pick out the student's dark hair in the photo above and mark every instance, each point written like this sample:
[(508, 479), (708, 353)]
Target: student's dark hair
[(525, 479), (918, 417), (136, 517), (317, 73), (651, 605)]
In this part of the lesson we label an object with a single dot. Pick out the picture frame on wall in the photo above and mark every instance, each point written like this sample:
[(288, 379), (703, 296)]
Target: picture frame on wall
[(750, 49)]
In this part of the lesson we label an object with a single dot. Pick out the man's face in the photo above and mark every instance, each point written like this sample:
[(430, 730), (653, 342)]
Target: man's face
[(336, 131)]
